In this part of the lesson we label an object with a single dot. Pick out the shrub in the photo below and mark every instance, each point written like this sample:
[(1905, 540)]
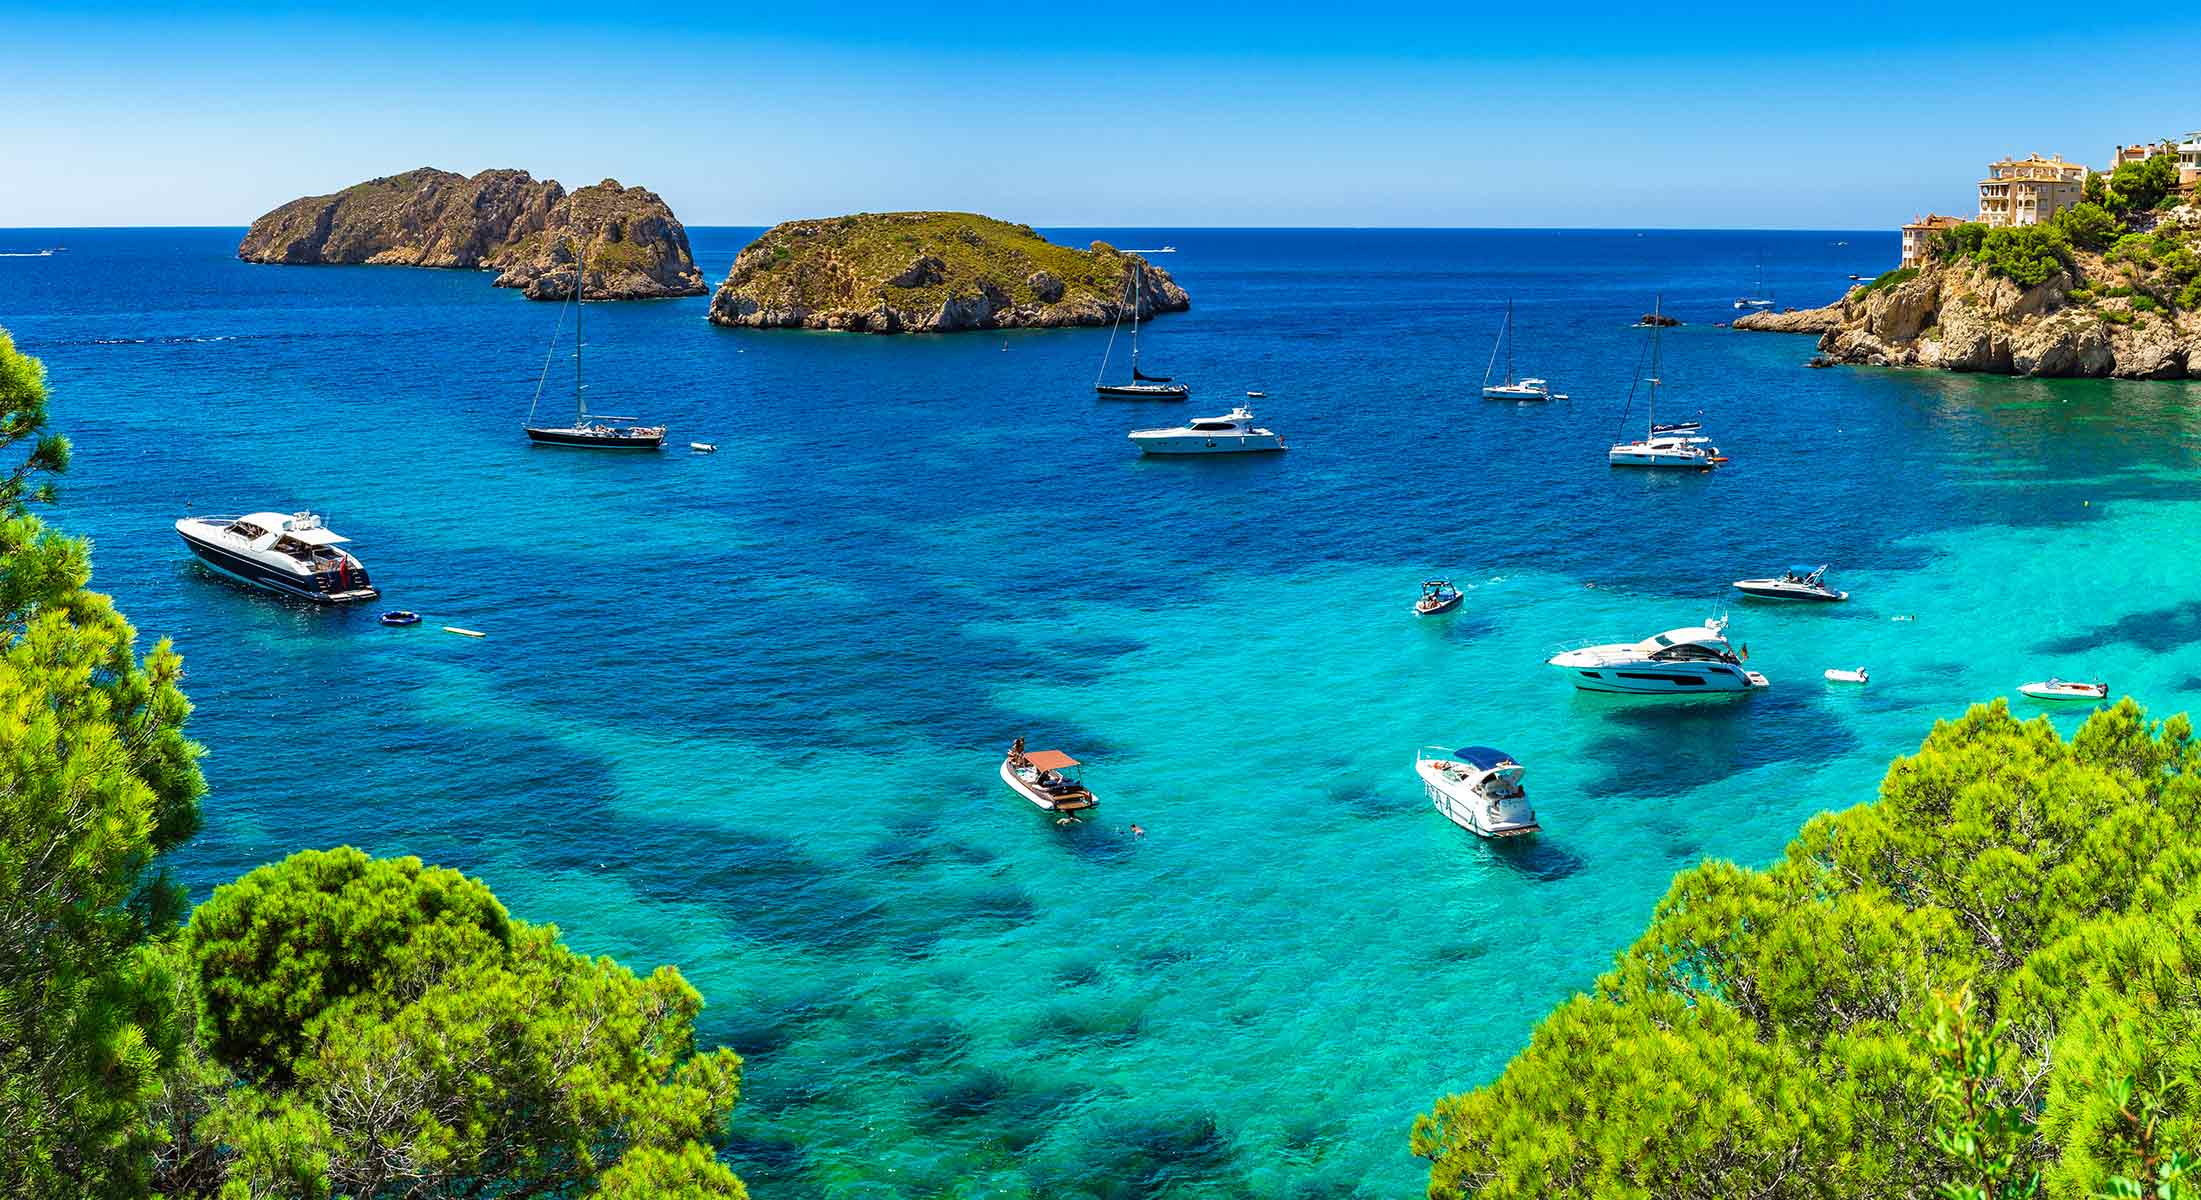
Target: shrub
[(2087, 226), (2028, 255), (1888, 279), (1961, 241), (2137, 187), (2189, 297), (2119, 316), (2082, 294), (2146, 303)]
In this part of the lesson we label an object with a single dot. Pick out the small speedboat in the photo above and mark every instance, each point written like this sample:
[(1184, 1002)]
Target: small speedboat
[(1437, 595), (1838, 675), (2054, 689), (400, 616), (1232, 433), (292, 554), (1692, 661), (1796, 583), (1476, 788), (704, 447), (1047, 778)]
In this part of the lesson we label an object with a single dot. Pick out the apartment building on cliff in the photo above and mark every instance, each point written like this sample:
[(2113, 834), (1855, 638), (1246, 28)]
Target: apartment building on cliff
[(2027, 191), (1919, 233)]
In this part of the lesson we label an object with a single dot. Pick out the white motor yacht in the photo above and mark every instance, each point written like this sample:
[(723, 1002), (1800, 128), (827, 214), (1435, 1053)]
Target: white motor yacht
[(1234, 433), (294, 554), (1047, 778), (1476, 788), (1679, 662), (2056, 689), (1796, 583)]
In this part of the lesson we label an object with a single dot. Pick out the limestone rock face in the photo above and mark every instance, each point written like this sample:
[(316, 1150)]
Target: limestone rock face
[(499, 218), (636, 249), (931, 272), (1795, 320), (1958, 316)]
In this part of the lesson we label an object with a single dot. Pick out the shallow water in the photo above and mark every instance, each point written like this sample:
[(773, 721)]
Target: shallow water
[(742, 712)]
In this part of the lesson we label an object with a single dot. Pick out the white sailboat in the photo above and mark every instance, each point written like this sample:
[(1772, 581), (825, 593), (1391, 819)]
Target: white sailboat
[(1760, 299), (1681, 445), (1524, 389), (1142, 386)]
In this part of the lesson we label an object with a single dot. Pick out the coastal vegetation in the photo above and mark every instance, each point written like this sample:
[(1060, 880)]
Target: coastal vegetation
[(330, 1025), (931, 272), (1984, 983)]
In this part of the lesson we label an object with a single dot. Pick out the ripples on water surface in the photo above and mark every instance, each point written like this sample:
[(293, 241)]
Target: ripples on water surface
[(742, 712)]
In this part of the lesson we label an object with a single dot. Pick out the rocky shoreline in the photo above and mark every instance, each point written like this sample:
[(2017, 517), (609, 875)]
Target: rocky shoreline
[(1794, 320), (930, 272), (500, 220)]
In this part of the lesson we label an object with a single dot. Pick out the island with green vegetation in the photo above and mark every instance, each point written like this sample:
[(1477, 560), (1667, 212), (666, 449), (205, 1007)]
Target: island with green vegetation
[(330, 1025), (932, 272), (526, 229), (2108, 287), (1985, 984)]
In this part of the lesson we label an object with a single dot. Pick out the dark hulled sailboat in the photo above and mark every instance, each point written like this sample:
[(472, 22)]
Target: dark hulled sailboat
[(597, 432)]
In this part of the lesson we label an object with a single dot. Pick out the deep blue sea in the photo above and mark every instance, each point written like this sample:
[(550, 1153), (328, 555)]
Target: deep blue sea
[(742, 712)]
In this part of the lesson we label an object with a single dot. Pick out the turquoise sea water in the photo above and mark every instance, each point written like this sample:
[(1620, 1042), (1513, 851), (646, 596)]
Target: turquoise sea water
[(742, 712)]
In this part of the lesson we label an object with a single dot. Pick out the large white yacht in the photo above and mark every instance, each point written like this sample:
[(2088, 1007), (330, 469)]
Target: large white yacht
[(1678, 662), (1476, 788), (1232, 434), (293, 554)]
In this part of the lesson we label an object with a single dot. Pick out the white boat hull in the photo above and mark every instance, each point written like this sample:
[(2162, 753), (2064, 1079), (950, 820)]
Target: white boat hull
[(1838, 675), (1208, 444), (1479, 815), (1515, 392), (2063, 694), (1658, 678), (1633, 456), (1037, 796), (1770, 590)]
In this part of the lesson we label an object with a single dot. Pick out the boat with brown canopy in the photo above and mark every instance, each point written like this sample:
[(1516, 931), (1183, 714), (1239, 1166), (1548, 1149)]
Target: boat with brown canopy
[(1047, 778)]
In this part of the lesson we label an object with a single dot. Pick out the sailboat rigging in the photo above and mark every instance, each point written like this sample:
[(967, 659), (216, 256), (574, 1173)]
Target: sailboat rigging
[(595, 432), (1142, 386), (1678, 445), (1530, 388), (1760, 298)]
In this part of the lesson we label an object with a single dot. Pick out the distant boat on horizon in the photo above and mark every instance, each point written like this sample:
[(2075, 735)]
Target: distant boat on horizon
[(1762, 298)]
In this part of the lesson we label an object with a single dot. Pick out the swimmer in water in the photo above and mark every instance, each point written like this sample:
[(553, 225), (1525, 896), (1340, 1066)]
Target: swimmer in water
[(1137, 832)]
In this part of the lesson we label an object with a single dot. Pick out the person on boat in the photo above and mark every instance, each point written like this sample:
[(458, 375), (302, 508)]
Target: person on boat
[(1016, 753)]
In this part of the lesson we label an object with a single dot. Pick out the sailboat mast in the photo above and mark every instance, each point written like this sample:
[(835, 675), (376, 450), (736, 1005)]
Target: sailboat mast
[(1135, 281), (1509, 343), (1492, 365), (1657, 311), (580, 277)]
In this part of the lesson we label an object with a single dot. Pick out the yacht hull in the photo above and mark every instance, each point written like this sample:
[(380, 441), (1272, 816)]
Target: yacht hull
[(248, 571), (1201, 444), (1133, 391), (1660, 679), (1772, 592), (570, 437), (1655, 458), (1515, 393)]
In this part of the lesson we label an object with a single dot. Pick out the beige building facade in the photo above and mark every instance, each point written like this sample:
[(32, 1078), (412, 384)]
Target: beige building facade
[(2027, 191), (1919, 234)]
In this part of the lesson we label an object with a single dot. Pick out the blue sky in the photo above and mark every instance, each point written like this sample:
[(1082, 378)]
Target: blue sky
[(1573, 114)]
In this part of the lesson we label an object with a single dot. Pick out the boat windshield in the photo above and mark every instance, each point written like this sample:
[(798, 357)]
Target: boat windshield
[(246, 529), (1213, 426), (1696, 652)]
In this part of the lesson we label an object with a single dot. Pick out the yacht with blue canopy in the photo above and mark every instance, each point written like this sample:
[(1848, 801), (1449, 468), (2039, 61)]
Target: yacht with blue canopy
[(1477, 788), (1797, 583)]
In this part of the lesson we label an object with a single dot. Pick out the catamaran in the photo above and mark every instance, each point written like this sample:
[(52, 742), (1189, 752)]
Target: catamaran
[(594, 432), (1678, 445), (1530, 388), (1142, 385)]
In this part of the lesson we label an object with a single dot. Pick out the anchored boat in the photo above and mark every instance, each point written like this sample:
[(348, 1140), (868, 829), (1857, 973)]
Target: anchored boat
[(597, 432), (1142, 386), (290, 554), (1679, 662), (1680, 446), (2056, 690), (1437, 595), (1796, 583), (1476, 788), (1530, 388), (1234, 433), (1047, 778)]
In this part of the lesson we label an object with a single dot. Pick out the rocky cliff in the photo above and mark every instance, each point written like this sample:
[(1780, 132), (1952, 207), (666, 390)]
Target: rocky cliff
[(2124, 314), (931, 272), (1795, 320), (501, 219)]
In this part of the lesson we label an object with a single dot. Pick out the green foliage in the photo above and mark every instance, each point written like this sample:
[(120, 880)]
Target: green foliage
[(1950, 992), (2146, 303), (855, 262), (2120, 316), (96, 780), (2027, 255), (2087, 226), (396, 1032), (1959, 241), (1888, 279), (2140, 186)]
